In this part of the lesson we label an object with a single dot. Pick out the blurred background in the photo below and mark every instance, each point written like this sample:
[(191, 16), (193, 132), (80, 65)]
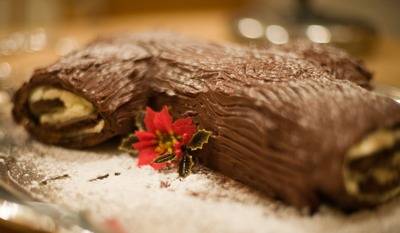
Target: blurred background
[(35, 32)]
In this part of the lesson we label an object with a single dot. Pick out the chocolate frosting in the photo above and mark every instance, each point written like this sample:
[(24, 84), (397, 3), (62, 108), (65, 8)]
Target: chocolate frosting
[(282, 118), (332, 60), (108, 75)]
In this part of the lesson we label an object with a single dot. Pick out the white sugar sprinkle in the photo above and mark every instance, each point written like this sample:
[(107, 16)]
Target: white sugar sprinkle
[(110, 185)]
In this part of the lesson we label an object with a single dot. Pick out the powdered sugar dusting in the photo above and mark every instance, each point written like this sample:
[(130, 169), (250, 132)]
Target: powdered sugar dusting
[(109, 184)]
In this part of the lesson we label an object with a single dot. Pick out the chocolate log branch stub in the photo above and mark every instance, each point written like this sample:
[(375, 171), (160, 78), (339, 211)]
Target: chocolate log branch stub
[(332, 60), (104, 77), (284, 122)]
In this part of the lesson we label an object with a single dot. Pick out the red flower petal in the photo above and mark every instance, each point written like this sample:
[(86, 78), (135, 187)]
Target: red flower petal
[(142, 145), (186, 138), (146, 157), (178, 150), (184, 127), (163, 121), (145, 136), (158, 166), (149, 119), (114, 225)]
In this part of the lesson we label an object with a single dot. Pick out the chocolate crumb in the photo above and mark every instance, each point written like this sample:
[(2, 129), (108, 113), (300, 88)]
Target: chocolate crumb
[(44, 182), (164, 184), (99, 178)]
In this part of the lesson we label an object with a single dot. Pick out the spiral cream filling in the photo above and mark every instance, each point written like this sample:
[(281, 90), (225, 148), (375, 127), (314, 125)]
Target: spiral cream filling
[(372, 167), (54, 106)]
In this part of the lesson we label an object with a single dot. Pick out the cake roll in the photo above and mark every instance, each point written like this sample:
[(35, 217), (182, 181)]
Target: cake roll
[(87, 97), (92, 95), (281, 123)]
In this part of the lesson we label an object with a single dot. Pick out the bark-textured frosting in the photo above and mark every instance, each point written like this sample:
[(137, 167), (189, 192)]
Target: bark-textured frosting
[(109, 75), (334, 61), (282, 122)]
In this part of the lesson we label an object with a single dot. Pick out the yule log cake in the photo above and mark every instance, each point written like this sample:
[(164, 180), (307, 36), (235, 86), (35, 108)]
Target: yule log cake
[(298, 122)]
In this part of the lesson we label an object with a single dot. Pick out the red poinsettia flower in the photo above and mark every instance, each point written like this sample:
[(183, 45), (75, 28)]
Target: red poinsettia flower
[(162, 136)]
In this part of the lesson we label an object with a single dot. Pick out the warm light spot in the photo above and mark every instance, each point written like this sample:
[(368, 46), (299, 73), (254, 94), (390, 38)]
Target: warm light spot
[(7, 46), (277, 34), (4, 98), (5, 70), (318, 34), (8, 210), (37, 40), (250, 28)]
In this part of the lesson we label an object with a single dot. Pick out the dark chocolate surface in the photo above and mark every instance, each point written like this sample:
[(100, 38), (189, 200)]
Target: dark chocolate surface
[(282, 120), (332, 60), (107, 75)]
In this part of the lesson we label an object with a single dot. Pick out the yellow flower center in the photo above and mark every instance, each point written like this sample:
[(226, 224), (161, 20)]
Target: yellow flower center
[(166, 143)]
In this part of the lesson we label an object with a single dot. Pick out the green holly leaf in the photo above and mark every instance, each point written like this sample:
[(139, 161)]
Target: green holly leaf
[(126, 144), (139, 120), (199, 139), (185, 165), (165, 158)]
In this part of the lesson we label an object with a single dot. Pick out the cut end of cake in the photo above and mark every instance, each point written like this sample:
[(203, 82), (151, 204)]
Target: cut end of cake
[(58, 109), (372, 167)]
